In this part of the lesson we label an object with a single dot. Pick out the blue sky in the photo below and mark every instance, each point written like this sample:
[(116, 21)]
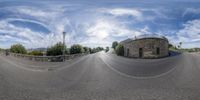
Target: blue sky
[(97, 23)]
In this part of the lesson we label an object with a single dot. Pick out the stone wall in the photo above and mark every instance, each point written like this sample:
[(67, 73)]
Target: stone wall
[(45, 58), (151, 48)]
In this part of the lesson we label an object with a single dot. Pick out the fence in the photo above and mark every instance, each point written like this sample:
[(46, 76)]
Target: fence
[(47, 58)]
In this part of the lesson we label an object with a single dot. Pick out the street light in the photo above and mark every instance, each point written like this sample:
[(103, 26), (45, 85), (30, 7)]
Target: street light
[(64, 33)]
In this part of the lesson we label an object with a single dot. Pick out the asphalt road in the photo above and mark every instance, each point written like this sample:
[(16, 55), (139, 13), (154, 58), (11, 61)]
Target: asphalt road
[(101, 76)]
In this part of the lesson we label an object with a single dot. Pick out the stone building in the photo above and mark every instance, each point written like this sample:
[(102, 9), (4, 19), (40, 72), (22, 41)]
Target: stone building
[(146, 46)]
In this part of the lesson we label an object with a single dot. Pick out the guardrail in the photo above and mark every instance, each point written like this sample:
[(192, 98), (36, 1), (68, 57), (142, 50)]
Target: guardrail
[(47, 58)]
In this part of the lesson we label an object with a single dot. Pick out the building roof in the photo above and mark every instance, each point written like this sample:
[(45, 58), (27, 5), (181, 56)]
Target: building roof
[(126, 41), (150, 36), (145, 36)]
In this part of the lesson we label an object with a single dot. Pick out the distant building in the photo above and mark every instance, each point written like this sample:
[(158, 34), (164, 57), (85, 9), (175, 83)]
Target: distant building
[(146, 46)]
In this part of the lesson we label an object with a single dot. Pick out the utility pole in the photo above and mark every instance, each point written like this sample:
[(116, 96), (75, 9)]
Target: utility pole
[(64, 33)]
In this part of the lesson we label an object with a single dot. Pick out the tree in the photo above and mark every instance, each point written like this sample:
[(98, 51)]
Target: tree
[(35, 53), (18, 48), (86, 50), (114, 44), (120, 50), (57, 49), (97, 49), (90, 50), (180, 44), (76, 48), (170, 45), (107, 49), (93, 50)]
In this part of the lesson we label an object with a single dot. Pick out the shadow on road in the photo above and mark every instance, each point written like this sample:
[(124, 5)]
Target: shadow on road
[(173, 53)]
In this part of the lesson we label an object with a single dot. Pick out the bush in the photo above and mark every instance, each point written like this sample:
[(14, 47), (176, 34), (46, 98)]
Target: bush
[(114, 44), (76, 48), (120, 50), (35, 53), (18, 48), (57, 49)]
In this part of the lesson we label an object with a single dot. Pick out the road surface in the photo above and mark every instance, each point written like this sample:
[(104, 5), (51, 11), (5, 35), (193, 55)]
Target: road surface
[(101, 76)]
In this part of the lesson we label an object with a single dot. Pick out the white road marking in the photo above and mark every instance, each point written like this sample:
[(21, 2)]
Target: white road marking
[(134, 77)]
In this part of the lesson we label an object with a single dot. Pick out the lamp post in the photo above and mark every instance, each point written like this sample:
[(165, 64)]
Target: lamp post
[(64, 33)]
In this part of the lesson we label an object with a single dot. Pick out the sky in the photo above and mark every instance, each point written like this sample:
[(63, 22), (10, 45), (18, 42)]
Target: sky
[(95, 23)]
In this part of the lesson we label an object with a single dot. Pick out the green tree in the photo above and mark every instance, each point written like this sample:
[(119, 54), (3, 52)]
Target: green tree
[(35, 53), (94, 50), (57, 49), (90, 50), (180, 44), (99, 49), (86, 50), (114, 44), (107, 49), (76, 48), (18, 48), (120, 50), (170, 45)]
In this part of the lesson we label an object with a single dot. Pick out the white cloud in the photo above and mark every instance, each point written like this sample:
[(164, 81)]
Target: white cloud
[(12, 31), (122, 12), (103, 32), (104, 28), (52, 19), (100, 30), (23, 35), (33, 12), (190, 33), (191, 30), (137, 14), (27, 20), (191, 10), (48, 13)]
